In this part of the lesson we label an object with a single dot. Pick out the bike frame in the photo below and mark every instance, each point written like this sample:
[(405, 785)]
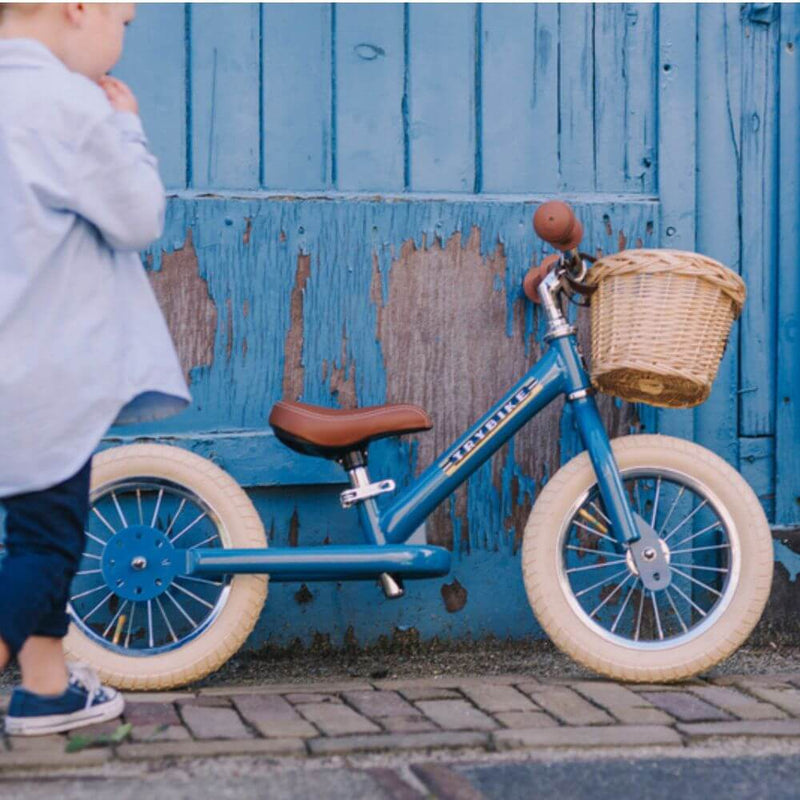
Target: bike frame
[(559, 371)]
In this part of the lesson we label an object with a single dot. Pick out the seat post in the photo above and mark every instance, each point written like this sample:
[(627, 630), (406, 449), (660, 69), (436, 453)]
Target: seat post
[(355, 463)]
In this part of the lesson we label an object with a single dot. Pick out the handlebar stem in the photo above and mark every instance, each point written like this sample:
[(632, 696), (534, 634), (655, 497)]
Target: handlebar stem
[(557, 325)]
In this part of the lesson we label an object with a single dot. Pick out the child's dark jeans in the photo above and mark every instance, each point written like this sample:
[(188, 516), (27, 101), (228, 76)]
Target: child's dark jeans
[(44, 542)]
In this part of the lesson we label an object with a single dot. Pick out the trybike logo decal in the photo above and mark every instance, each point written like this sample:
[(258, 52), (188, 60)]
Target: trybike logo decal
[(492, 425)]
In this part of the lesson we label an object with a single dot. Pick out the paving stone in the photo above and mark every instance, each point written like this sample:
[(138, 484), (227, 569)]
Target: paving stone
[(567, 705), (287, 688), (207, 722), (497, 698), (397, 741), (777, 727), (627, 706), (380, 704), (272, 716), (454, 715), (336, 719), (429, 693), (310, 697), (526, 719), (51, 743), (98, 729), (229, 747), (439, 682), (787, 699), (585, 736), (148, 733), (206, 702), (25, 759), (738, 703), (416, 724), (779, 680), (392, 785), (157, 697), (152, 714), (685, 706)]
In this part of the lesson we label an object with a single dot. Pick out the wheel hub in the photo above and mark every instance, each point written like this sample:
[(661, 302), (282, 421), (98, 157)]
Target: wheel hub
[(139, 563), (648, 555)]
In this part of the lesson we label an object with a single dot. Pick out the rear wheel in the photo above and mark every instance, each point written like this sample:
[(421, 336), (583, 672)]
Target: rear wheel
[(584, 587), (136, 619)]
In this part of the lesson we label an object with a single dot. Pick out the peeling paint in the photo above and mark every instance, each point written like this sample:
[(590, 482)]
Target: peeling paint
[(454, 596), (788, 558)]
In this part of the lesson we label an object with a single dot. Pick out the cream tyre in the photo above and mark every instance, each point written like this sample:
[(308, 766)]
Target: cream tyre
[(237, 525), (726, 625)]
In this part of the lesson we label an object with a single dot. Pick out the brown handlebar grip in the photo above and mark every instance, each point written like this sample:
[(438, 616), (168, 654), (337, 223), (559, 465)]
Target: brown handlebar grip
[(530, 285), (556, 223)]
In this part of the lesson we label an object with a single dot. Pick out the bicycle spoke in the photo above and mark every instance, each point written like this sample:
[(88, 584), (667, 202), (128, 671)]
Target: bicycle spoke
[(601, 583), (139, 503), (596, 508), (593, 520), (698, 549), (619, 586), (91, 555), (672, 508), (158, 505), (88, 572), (699, 533), (193, 595), (694, 580), (187, 528), (593, 531), (91, 591), (658, 618), (675, 609), (175, 518), (624, 606), (163, 614), (205, 541), (686, 519), (111, 624), (119, 510), (95, 539), (689, 600), (108, 596), (102, 519), (150, 622), (612, 563), (181, 609), (202, 580), (638, 496), (130, 625), (655, 503), (700, 566), (639, 616)]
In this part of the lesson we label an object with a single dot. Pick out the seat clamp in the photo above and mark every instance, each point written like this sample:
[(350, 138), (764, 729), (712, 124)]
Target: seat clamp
[(351, 496)]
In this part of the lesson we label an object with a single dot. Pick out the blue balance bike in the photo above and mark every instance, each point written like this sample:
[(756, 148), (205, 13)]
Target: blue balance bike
[(647, 558)]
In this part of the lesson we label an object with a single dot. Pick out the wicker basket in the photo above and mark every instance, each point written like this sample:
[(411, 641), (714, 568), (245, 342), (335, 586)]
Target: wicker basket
[(660, 322)]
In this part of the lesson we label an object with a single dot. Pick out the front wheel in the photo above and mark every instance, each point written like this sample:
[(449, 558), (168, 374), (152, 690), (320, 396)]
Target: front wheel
[(136, 616), (584, 588)]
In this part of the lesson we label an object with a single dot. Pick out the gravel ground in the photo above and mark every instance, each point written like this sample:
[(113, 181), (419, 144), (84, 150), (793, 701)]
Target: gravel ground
[(535, 657)]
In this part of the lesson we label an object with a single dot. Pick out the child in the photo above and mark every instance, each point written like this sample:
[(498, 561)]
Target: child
[(82, 341)]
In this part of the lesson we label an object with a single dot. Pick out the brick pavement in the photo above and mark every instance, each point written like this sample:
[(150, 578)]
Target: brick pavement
[(492, 713)]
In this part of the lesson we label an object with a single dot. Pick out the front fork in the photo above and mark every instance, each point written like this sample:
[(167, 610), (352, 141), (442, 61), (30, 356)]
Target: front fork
[(630, 530)]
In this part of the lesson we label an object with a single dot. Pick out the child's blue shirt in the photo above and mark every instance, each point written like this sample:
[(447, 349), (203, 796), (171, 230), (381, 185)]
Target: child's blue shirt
[(83, 342)]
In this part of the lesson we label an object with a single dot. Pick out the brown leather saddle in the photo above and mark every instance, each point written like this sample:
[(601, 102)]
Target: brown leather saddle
[(334, 432)]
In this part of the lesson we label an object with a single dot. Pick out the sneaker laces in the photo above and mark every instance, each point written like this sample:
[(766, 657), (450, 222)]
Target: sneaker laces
[(83, 676)]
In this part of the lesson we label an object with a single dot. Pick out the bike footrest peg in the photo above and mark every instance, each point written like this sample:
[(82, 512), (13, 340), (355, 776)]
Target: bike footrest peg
[(392, 587)]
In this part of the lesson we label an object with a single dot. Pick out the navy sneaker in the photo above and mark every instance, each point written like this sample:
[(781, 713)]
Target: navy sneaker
[(85, 702)]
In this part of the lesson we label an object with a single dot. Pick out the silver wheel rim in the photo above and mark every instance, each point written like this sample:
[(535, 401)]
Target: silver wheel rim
[(188, 606), (618, 580)]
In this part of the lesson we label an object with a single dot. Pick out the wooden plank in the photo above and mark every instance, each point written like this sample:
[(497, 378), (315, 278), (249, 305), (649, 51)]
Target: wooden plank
[(719, 200), (624, 97), (576, 97), (252, 458), (519, 88), (297, 128), (787, 423), (225, 81), (677, 136), (442, 96), (759, 221), (369, 61), (154, 64), (757, 465)]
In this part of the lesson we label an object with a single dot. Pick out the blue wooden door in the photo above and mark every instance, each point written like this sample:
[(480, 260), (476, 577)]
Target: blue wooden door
[(352, 187)]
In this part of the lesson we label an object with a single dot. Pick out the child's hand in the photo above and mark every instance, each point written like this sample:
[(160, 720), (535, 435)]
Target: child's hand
[(118, 94)]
